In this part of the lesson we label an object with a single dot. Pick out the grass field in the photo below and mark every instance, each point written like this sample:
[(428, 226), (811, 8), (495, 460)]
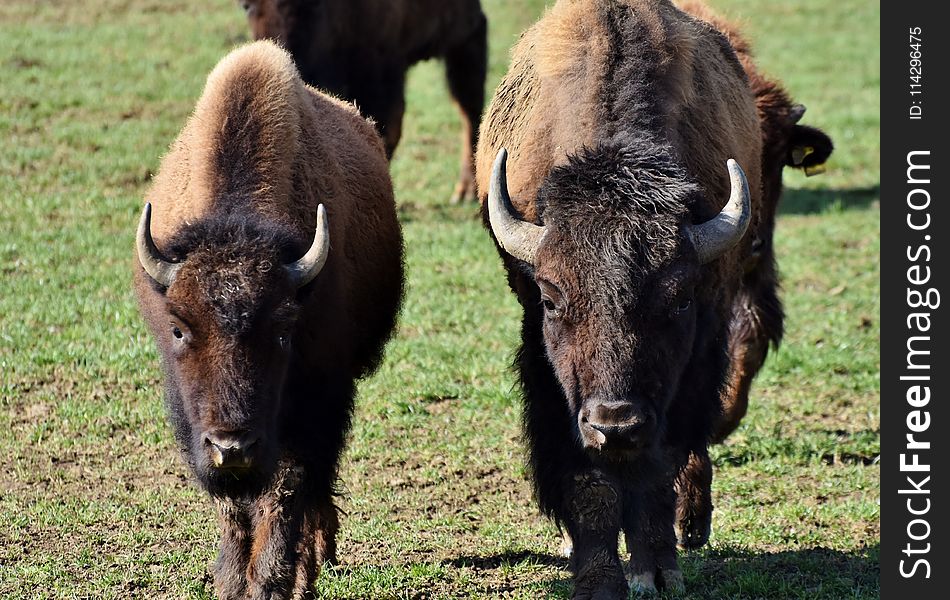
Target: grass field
[(95, 503)]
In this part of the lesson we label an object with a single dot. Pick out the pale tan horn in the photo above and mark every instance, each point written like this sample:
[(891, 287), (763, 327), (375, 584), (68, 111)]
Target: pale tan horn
[(519, 238), (155, 264), (309, 265), (717, 235)]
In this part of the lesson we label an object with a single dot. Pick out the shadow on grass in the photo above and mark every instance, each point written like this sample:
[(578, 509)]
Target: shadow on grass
[(506, 559), (817, 573), (723, 573), (494, 579), (809, 202)]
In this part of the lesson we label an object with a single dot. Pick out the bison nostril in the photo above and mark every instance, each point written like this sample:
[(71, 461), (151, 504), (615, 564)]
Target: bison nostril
[(229, 450), (585, 415)]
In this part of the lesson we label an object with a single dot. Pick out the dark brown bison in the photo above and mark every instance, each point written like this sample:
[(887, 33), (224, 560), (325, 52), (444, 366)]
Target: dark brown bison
[(269, 270), (629, 231), (360, 50)]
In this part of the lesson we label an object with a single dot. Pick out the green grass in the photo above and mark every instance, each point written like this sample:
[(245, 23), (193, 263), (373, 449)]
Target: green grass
[(94, 501)]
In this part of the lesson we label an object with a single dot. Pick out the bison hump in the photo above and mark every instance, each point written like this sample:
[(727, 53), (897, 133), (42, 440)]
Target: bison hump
[(246, 127)]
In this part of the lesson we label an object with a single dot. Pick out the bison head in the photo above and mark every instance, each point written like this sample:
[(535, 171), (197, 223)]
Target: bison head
[(617, 267), (265, 19), (224, 316)]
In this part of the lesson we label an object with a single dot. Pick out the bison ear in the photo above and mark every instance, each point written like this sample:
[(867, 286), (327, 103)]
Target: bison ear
[(808, 149)]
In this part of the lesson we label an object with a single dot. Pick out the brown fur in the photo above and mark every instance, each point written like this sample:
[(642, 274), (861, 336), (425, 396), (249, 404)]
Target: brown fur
[(556, 100), (235, 197), (638, 74), (360, 50)]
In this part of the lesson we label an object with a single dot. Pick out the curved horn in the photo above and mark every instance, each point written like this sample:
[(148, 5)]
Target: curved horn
[(796, 113), (724, 231), (519, 238), (155, 264), (304, 270)]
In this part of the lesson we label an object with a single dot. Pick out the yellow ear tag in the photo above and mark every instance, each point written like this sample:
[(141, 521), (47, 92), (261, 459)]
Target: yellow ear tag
[(800, 152), (814, 170)]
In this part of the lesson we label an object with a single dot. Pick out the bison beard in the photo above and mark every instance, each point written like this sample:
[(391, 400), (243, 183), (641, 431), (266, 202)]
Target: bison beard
[(261, 338)]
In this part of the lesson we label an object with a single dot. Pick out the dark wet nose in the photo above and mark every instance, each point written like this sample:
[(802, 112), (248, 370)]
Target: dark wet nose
[(614, 425), (230, 450)]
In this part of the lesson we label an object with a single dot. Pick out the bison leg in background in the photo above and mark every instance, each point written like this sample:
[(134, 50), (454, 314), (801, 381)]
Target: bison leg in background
[(694, 501), (317, 546), (465, 68), (756, 322), (591, 511), (647, 525)]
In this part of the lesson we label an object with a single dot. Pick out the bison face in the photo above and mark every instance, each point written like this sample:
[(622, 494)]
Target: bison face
[(225, 378), (265, 20), (617, 266), (224, 319), (617, 337)]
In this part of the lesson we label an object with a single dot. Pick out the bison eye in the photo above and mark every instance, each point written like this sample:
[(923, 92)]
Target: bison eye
[(283, 341), (181, 333), (552, 299), (551, 308), (684, 306)]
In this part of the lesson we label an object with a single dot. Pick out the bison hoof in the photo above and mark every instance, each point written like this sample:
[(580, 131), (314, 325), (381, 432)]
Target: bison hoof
[(600, 579), (567, 546), (672, 581), (608, 591), (647, 583), (643, 584)]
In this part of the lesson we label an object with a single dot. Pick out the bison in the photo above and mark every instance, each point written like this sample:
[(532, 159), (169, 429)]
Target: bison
[(360, 50), (269, 271), (640, 251)]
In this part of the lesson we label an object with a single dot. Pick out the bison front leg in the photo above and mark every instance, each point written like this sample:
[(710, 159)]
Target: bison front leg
[(465, 68), (648, 527), (317, 546), (289, 543), (694, 506), (593, 519), (234, 552)]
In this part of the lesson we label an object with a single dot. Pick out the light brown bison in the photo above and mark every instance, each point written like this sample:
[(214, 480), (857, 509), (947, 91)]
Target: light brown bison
[(360, 50), (629, 232), (269, 270), (758, 316)]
